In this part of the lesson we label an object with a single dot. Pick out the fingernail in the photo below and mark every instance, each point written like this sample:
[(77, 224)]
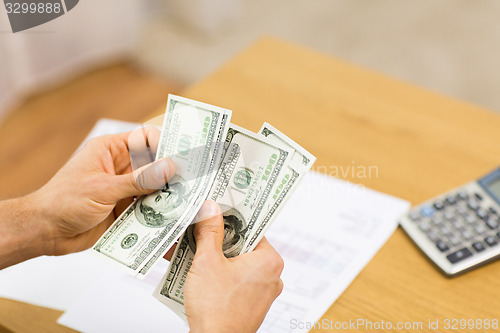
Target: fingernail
[(208, 210), (162, 170)]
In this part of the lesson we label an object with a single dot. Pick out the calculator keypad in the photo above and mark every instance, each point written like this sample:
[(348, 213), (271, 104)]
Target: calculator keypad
[(459, 225)]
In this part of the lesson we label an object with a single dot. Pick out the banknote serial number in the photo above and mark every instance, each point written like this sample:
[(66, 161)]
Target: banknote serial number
[(33, 8)]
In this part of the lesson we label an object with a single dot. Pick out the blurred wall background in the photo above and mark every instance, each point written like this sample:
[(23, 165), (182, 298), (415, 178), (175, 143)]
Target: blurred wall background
[(449, 46), (95, 33)]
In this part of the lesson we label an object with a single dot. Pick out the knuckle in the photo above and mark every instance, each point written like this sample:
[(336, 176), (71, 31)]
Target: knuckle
[(152, 132), (280, 263), (205, 231), (94, 142), (202, 259), (276, 263), (137, 181), (280, 287)]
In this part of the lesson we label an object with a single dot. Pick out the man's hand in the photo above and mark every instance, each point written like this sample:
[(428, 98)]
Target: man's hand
[(229, 295), (82, 200)]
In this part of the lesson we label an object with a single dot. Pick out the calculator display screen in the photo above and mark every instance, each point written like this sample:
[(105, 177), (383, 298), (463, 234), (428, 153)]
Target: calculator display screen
[(494, 187)]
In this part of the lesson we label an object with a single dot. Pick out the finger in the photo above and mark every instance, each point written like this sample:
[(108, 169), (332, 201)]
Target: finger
[(264, 250), (209, 228), (144, 180), (151, 135), (268, 252), (264, 245), (142, 144), (125, 170)]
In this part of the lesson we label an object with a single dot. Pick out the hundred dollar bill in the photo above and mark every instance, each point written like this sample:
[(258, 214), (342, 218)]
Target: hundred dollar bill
[(214, 165), (300, 163), (144, 230), (242, 186)]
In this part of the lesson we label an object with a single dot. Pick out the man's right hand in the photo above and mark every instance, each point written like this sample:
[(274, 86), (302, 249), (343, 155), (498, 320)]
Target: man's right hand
[(229, 295)]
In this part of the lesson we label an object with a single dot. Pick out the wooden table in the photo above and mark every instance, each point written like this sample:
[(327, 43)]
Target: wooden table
[(421, 144)]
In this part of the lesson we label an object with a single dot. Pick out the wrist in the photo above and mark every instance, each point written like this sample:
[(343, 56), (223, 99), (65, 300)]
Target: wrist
[(21, 230), (215, 326), (41, 223)]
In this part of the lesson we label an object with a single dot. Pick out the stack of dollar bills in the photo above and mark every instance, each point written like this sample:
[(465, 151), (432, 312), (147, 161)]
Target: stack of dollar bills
[(249, 175)]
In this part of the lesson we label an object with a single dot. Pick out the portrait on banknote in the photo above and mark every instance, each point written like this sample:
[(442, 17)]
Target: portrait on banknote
[(164, 206), (234, 233), (235, 228)]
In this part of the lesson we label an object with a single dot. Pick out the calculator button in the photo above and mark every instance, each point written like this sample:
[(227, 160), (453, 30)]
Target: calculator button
[(432, 236), (436, 220), (462, 195), (467, 235), (478, 246), (491, 241), (456, 223), (462, 210), (449, 215), (439, 226), (438, 205), (414, 216), (442, 246), (479, 229), (444, 230), (454, 240), (451, 200), (493, 210), (424, 226), (427, 211), (459, 255), (470, 219), (478, 196), (481, 213), (472, 205), (491, 223)]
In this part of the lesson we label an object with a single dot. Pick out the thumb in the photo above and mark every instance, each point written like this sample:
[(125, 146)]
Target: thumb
[(209, 228), (144, 180)]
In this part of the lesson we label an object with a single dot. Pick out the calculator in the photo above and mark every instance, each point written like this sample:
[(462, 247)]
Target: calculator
[(459, 230)]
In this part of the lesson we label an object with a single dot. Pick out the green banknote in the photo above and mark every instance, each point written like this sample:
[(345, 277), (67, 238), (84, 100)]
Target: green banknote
[(191, 136)]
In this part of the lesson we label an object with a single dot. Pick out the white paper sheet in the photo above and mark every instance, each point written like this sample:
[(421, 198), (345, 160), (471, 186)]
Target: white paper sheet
[(121, 303), (326, 234), (53, 282), (328, 231), (108, 126)]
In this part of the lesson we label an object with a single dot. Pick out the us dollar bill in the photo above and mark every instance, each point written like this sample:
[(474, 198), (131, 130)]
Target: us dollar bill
[(149, 226), (299, 164), (249, 170), (180, 228)]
